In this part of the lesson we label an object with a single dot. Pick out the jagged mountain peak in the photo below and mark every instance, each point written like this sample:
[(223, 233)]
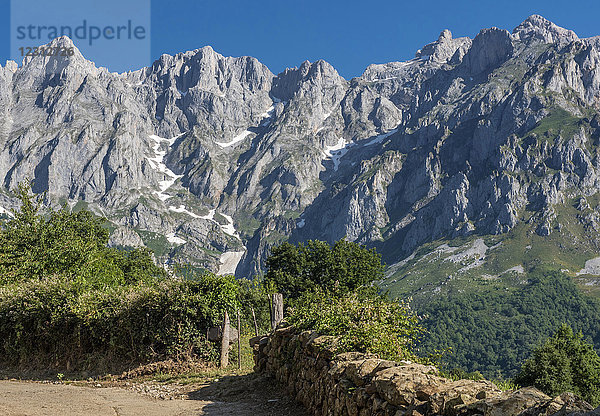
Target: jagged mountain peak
[(445, 34), (308, 70), (307, 76), (62, 41), (538, 28), (205, 59), (490, 47), (444, 48), (10, 66)]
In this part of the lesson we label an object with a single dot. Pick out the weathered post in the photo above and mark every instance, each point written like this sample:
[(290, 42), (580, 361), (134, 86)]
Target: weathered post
[(225, 342), (277, 308), (255, 324), (239, 341)]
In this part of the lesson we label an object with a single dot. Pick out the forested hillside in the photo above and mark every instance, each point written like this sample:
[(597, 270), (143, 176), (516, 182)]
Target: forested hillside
[(494, 331)]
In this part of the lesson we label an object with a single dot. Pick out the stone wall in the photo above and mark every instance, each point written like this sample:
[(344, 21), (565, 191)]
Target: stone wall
[(356, 384)]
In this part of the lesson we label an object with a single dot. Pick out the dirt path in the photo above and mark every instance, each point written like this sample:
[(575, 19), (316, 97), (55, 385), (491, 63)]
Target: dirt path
[(242, 395)]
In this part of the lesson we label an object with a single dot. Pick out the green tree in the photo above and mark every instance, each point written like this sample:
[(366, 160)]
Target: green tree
[(343, 267), (71, 244), (254, 298), (565, 362)]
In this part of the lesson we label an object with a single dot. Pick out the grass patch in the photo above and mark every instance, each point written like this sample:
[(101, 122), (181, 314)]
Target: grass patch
[(558, 123), (156, 242)]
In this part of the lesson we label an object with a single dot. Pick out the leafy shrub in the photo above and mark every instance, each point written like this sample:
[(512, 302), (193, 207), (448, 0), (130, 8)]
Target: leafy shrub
[(366, 324), (506, 385), (565, 362), (293, 270), (56, 321), (460, 374)]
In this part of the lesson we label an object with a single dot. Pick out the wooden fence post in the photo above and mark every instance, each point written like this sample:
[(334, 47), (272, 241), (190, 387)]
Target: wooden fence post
[(277, 308), (225, 342), (239, 341), (255, 324)]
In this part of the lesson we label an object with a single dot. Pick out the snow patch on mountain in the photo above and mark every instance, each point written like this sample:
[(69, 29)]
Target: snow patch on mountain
[(157, 163), (335, 152), (380, 138), (267, 117), (171, 238), (236, 139), (229, 261), (269, 113), (182, 209), (210, 216), (229, 228)]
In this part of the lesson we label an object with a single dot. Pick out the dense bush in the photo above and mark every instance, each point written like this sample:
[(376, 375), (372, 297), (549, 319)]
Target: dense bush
[(361, 323), (329, 289), (565, 362), (496, 330), (345, 266), (57, 321)]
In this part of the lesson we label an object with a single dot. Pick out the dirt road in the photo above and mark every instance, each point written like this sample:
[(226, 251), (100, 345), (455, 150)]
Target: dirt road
[(243, 395)]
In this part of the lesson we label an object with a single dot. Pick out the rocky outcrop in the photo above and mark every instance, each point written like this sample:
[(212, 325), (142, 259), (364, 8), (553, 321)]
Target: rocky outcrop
[(445, 48), (490, 48), (357, 384), (536, 28), (125, 237)]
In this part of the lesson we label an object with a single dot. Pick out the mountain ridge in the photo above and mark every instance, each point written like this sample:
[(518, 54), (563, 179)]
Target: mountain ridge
[(441, 146)]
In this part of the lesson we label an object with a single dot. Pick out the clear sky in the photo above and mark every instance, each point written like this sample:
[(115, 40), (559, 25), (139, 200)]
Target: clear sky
[(348, 34)]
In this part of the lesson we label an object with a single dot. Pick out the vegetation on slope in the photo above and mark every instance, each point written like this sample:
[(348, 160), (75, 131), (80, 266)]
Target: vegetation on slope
[(362, 323), (493, 331), (564, 362)]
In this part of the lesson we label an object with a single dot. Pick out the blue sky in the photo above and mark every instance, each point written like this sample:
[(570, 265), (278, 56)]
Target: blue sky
[(348, 34)]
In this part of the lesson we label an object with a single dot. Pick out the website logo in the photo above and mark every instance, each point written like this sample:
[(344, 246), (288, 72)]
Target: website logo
[(114, 34)]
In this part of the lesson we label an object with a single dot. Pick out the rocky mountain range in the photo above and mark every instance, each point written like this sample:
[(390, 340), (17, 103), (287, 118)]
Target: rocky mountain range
[(211, 160)]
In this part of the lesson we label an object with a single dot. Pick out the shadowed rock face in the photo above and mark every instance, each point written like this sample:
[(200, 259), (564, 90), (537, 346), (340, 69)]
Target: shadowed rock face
[(202, 154)]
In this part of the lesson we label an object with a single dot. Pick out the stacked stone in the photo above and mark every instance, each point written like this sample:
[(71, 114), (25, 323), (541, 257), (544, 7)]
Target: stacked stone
[(357, 384)]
